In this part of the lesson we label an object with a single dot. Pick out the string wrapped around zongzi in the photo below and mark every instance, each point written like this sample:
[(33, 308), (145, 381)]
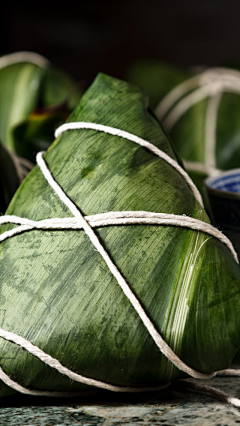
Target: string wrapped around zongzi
[(201, 114), (107, 251)]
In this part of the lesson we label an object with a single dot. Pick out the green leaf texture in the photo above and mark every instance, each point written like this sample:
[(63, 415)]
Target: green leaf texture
[(19, 88), (188, 132), (9, 178), (155, 77), (56, 289), (25, 85), (36, 132)]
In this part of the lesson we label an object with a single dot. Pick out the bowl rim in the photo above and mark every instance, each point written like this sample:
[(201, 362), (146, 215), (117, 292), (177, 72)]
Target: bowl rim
[(223, 193)]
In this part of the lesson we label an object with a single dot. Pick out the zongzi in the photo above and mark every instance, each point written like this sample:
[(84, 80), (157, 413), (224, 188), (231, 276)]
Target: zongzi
[(113, 259)]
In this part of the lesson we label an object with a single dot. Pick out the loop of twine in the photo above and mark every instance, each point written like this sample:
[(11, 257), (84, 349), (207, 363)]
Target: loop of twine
[(210, 84)]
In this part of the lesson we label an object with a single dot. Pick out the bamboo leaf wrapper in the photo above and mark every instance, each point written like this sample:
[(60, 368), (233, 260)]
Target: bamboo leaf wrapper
[(29, 82), (201, 115), (56, 289)]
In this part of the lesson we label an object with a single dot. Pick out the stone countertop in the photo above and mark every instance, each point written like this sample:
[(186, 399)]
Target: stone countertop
[(169, 407)]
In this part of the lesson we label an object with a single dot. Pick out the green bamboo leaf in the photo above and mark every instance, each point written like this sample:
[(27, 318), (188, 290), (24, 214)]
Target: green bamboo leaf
[(155, 77), (57, 87), (57, 290), (19, 88), (27, 82), (9, 178), (35, 133)]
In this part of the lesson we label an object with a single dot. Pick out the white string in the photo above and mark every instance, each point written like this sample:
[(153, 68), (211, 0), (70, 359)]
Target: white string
[(174, 95), (17, 387), (18, 57), (83, 222), (115, 218), (161, 344), (210, 90), (201, 167), (54, 363), (229, 372), (184, 104), (212, 81), (22, 165), (193, 98), (136, 139), (187, 384)]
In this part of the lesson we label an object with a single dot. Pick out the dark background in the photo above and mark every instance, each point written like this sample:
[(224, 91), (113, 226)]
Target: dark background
[(86, 37)]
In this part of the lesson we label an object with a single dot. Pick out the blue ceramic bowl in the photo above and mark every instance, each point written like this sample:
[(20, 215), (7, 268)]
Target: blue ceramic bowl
[(223, 192)]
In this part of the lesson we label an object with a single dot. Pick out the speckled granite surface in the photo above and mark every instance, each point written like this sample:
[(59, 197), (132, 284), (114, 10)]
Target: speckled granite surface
[(167, 408)]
